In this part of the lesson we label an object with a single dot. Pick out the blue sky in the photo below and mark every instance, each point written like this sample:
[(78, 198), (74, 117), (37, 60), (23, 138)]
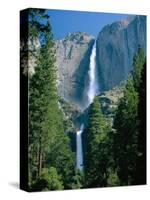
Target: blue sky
[(64, 22)]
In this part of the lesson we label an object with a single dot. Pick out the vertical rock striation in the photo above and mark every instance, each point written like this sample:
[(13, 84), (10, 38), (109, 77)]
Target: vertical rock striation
[(116, 45)]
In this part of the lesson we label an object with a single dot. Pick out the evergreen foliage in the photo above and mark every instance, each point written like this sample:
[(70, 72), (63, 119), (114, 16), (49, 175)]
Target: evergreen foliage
[(129, 136), (49, 180), (49, 147), (140, 175), (97, 155), (125, 137), (138, 62), (78, 180)]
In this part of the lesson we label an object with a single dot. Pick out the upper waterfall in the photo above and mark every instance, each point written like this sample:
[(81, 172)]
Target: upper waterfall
[(92, 76)]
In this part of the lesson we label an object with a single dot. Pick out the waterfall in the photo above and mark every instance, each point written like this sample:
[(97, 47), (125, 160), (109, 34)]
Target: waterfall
[(92, 78), (79, 154), (91, 92)]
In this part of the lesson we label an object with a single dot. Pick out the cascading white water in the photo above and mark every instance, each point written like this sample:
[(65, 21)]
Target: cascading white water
[(92, 78), (92, 89), (79, 154)]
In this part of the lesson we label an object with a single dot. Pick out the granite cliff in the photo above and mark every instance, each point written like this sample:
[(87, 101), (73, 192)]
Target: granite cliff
[(72, 59), (116, 45)]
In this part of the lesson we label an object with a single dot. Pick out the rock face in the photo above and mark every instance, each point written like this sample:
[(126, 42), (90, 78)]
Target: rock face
[(72, 59), (116, 45)]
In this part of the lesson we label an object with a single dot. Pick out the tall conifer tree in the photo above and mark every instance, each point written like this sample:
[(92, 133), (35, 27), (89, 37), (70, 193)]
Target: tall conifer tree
[(96, 163), (48, 144)]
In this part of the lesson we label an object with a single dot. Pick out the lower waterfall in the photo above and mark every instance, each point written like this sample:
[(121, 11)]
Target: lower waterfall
[(79, 154), (91, 92)]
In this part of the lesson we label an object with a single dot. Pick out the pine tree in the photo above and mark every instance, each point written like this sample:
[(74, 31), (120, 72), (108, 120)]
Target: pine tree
[(48, 144), (96, 161), (140, 175), (128, 141), (138, 62), (42, 89), (125, 137)]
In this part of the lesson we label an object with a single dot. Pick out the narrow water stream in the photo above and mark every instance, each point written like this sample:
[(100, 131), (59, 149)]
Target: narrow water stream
[(79, 154), (91, 94)]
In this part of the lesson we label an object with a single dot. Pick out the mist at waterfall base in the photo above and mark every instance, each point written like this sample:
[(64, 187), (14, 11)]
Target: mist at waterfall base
[(91, 92)]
